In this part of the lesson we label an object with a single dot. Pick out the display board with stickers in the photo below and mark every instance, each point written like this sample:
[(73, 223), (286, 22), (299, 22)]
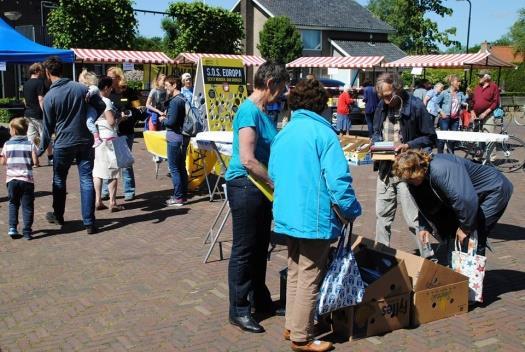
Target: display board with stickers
[(222, 84)]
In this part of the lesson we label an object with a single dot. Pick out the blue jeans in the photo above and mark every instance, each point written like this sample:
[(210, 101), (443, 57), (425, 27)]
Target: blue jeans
[(447, 125), (370, 123), (177, 165), (21, 193), (63, 158), (128, 176), (251, 224)]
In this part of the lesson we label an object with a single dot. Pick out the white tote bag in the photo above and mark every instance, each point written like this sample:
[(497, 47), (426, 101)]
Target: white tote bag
[(122, 152), (472, 266)]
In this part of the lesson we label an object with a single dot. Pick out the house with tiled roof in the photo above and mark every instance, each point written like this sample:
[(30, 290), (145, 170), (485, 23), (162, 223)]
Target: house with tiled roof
[(328, 28)]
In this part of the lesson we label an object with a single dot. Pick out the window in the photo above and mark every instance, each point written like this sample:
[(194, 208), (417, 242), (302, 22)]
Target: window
[(311, 39)]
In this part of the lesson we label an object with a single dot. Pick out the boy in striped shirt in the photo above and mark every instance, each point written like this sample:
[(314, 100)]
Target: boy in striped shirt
[(19, 155)]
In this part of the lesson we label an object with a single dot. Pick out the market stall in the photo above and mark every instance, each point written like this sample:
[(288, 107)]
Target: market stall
[(17, 49), (483, 59), (152, 61)]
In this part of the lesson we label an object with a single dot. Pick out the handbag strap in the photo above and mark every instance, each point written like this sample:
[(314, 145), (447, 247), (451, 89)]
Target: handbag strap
[(471, 246)]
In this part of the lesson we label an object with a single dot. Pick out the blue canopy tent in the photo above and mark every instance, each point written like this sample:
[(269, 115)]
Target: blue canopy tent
[(15, 48)]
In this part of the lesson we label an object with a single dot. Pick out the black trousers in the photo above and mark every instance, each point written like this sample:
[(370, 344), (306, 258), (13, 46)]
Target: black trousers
[(251, 219)]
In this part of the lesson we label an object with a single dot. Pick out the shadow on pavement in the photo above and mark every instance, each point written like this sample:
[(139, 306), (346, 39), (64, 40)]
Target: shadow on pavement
[(501, 281), (507, 232)]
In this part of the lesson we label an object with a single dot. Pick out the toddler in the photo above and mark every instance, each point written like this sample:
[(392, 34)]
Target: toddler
[(20, 154), (90, 79)]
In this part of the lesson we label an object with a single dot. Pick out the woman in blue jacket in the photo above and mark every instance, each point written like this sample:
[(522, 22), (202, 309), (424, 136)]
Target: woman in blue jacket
[(455, 195), (310, 175), (449, 105)]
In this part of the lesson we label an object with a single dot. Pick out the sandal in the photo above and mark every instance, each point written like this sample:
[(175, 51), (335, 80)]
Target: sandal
[(101, 207), (116, 208)]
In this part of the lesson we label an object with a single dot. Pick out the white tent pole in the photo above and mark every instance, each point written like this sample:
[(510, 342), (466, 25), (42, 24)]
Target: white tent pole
[(74, 71)]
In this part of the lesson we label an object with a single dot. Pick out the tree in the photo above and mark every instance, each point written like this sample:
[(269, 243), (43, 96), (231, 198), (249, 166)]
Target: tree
[(415, 34), (108, 24), (148, 44), (280, 40), (202, 28), (517, 34)]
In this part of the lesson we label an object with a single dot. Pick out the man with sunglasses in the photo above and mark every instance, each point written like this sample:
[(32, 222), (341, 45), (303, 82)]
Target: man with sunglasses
[(402, 119), (485, 100)]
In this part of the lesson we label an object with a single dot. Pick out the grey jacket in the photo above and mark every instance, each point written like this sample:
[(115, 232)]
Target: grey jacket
[(65, 115)]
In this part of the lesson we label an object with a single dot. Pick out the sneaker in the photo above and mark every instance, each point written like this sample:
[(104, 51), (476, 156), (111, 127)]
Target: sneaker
[(49, 162), (97, 143), (52, 219), (157, 159), (129, 197), (91, 229), (28, 237), (174, 202), (13, 233)]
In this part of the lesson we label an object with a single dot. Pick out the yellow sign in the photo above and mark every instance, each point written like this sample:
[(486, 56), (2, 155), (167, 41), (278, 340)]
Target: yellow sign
[(222, 82)]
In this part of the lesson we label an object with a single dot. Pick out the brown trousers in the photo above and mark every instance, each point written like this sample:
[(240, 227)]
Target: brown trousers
[(306, 264)]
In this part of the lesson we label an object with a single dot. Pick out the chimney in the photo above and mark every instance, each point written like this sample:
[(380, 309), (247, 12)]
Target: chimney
[(484, 47)]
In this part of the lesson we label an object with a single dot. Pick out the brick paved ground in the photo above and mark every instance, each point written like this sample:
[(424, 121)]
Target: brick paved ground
[(140, 284)]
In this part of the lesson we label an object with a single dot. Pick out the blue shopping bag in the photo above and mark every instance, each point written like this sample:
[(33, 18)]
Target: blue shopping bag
[(342, 286)]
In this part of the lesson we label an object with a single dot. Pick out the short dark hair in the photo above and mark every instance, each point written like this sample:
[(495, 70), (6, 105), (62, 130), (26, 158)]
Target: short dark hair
[(174, 81), (104, 82), (53, 65), (308, 94), (270, 70)]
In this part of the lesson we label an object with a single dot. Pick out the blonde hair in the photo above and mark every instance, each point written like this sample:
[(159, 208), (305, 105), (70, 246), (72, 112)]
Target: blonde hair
[(156, 83), (438, 85), (452, 78), (88, 78), (411, 164), (19, 125), (117, 71)]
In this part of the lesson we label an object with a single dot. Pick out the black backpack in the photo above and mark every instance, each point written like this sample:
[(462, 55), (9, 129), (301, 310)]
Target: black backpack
[(193, 121)]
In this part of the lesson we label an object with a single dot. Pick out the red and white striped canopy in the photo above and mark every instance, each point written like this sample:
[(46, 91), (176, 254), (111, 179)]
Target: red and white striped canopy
[(193, 58), (120, 56), (337, 62), (482, 59)]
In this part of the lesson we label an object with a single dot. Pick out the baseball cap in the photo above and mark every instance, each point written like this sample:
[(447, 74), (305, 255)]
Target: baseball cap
[(482, 73), (185, 76)]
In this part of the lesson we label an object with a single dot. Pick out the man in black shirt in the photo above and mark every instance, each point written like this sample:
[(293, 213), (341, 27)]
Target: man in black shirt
[(34, 91)]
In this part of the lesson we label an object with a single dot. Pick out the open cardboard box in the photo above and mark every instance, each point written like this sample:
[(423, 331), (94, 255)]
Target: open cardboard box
[(438, 292), (386, 303), (356, 149)]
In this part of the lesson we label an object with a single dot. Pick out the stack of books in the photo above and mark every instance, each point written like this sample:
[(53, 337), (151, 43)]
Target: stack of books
[(383, 151)]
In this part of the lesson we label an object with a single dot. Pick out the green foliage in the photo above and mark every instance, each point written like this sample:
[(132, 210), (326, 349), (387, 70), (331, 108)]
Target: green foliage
[(5, 115), (202, 28), (415, 33), (135, 85), (517, 34), (94, 24), (280, 40), (148, 44), (8, 101), (512, 80)]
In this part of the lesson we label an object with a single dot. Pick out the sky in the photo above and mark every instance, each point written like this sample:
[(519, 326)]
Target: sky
[(489, 21)]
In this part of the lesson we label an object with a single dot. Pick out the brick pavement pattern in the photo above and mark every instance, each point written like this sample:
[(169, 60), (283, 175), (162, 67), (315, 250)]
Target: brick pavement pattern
[(140, 284)]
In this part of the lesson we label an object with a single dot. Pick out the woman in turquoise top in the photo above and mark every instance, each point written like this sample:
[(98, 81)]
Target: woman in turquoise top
[(310, 174), (253, 132)]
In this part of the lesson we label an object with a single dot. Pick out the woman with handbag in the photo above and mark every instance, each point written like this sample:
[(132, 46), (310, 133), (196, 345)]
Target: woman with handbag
[(105, 165), (310, 175), (454, 195), (449, 106)]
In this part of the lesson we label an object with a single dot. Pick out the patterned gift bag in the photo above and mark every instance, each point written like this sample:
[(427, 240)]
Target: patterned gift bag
[(342, 286), (472, 266)]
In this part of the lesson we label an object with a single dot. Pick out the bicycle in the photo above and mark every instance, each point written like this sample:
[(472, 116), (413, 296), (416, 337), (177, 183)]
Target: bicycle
[(506, 156)]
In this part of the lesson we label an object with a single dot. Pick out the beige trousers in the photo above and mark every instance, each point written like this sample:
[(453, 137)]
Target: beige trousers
[(306, 265)]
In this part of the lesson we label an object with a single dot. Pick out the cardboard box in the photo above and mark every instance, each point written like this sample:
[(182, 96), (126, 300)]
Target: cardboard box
[(356, 149), (372, 318), (386, 302), (438, 292)]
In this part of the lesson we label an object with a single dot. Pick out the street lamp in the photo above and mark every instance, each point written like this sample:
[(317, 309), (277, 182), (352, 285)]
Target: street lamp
[(469, 13)]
